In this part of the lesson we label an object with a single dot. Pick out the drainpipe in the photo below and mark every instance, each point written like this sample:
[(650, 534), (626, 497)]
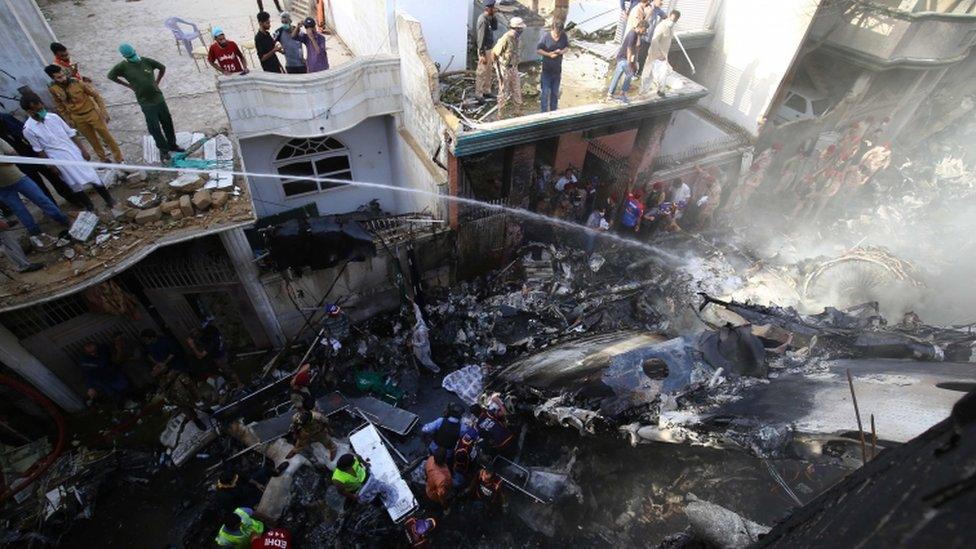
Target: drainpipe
[(20, 360)]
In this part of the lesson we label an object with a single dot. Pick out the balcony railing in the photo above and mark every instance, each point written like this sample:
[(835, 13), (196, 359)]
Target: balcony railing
[(306, 105), (879, 36)]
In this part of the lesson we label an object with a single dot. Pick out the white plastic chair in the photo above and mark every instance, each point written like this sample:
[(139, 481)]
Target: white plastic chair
[(184, 36)]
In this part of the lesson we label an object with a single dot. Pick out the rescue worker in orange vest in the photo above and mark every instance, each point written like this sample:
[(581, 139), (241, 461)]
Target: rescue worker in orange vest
[(439, 486), (494, 431), (488, 489), (465, 454)]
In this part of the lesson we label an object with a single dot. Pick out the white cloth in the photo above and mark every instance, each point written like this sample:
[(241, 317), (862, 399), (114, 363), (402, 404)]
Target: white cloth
[(563, 181), (663, 78), (467, 383), (421, 341), (683, 194), (661, 41), (375, 487), (53, 138)]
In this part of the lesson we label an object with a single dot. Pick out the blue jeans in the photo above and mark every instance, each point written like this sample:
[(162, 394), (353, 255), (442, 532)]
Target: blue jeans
[(10, 195), (623, 71), (550, 90)]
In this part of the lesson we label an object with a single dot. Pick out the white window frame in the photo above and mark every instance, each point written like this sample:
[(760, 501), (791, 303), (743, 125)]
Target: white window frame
[(312, 158)]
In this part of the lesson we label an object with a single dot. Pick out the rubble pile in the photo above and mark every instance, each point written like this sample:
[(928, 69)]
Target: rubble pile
[(68, 491), (153, 207)]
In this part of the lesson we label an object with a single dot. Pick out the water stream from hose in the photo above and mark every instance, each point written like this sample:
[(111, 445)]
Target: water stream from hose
[(519, 212)]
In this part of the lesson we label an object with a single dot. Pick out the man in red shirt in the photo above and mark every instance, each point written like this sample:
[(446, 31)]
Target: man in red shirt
[(225, 56), (275, 538), (63, 59)]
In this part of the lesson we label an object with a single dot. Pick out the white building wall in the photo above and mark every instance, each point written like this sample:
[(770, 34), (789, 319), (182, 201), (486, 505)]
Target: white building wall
[(756, 42), (368, 27), (26, 39), (444, 23), (365, 25), (421, 130), (370, 159)]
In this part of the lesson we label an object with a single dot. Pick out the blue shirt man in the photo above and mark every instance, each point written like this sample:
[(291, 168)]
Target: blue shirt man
[(441, 433), (102, 376), (552, 45), (294, 58), (162, 350), (445, 430)]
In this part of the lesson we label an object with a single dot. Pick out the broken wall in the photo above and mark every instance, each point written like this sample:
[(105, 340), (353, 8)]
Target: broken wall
[(421, 126), (366, 287), (755, 44), (26, 38), (571, 151), (481, 244)]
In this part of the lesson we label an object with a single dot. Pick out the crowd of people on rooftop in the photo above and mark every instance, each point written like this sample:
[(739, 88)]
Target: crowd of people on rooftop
[(78, 120), (645, 33)]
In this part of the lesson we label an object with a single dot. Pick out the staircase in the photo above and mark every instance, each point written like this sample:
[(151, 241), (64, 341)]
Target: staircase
[(300, 9)]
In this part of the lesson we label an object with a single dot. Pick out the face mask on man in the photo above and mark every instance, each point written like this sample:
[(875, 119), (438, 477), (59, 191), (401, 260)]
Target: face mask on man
[(41, 114)]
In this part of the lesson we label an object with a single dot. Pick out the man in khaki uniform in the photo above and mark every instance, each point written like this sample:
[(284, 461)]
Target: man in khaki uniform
[(309, 426), (506, 53), (82, 106)]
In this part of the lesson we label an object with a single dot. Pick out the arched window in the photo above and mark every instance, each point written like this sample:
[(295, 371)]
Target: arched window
[(315, 157)]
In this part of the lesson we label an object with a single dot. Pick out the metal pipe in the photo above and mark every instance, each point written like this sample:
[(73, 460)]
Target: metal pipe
[(682, 46), (244, 451), (857, 414), (522, 490)]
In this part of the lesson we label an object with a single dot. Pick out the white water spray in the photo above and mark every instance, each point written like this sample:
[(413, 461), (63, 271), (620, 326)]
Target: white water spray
[(520, 212)]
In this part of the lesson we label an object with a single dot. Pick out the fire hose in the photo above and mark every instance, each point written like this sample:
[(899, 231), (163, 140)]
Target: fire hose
[(40, 466)]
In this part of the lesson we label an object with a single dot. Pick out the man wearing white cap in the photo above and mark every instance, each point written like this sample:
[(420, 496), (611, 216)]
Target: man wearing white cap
[(506, 53), (225, 56)]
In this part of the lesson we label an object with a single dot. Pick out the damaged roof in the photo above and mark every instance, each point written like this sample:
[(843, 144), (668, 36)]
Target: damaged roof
[(114, 247)]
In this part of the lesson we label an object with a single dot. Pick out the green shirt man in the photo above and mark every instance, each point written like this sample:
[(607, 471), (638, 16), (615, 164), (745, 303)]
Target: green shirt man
[(139, 74)]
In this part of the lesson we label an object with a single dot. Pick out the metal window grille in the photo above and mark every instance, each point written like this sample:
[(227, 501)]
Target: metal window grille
[(310, 157), (30, 321), (197, 270)]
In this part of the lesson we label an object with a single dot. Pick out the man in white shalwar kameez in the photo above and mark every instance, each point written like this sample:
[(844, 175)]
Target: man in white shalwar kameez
[(51, 137), (658, 53)]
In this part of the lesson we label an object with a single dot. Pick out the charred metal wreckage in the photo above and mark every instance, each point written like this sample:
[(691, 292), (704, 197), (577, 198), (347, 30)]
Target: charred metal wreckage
[(650, 385), (611, 346)]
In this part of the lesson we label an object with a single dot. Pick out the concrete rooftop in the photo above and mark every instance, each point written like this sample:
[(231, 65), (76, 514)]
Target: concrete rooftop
[(93, 29)]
